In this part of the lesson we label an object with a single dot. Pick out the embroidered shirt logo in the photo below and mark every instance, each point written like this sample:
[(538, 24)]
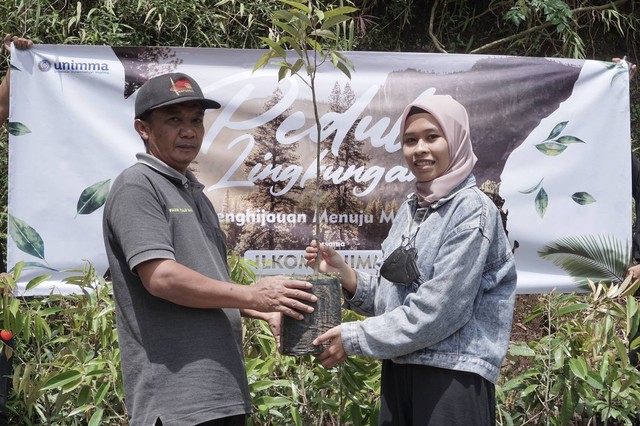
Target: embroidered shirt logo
[(180, 210)]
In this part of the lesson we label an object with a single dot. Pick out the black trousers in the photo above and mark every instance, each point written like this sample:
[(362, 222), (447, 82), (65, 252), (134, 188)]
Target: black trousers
[(418, 395)]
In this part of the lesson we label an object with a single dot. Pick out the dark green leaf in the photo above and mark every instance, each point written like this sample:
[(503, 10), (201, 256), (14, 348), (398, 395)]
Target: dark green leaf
[(344, 10), (282, 72), (571, 308), (297, 66), (275, 46), (594, 380), (583, 198), (569, 402), (326, 34), (264, 60), (305, 22), (59, 380), (297, 5), (37, 281), (25, 237), (315, 45), (343, 59), (579, 367), (333, 21), (101, 392), (96, 418), (285, 15), (521, 350), (341, 66), (18, 129), (289, 29), (93, 197)]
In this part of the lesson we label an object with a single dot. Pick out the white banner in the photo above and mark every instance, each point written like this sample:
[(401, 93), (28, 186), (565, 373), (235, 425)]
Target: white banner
[(552, 137)]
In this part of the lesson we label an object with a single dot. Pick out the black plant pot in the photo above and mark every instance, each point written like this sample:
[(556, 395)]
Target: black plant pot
[(297, 336)]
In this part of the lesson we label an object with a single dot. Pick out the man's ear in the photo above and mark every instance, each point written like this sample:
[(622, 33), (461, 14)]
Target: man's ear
[(142, 128)]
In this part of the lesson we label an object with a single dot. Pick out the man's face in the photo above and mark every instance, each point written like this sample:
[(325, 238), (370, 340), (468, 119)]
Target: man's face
[(173, 134)]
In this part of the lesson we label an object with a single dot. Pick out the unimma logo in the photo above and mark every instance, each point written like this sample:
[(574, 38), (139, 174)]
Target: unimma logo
[(44, 65), (72, 66)]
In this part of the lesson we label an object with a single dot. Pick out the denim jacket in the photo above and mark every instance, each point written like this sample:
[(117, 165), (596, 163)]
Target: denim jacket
[(457, 314)]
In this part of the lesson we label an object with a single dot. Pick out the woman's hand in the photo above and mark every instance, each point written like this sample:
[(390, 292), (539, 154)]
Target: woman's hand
[(334, 353), (331, 262)]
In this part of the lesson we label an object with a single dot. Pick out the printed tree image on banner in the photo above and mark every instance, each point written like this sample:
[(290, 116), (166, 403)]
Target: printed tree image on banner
[(552, 139)]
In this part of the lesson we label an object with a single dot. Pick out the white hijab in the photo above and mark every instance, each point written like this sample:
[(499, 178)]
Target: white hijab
[(453, 119)]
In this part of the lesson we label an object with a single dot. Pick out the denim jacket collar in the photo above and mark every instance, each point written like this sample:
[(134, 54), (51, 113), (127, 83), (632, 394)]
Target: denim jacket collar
[(468, 182)]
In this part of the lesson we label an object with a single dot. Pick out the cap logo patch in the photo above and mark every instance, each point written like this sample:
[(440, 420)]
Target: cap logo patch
[(181, 86)]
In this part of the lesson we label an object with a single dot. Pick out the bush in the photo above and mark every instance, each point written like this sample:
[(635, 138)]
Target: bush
[(579, 372)]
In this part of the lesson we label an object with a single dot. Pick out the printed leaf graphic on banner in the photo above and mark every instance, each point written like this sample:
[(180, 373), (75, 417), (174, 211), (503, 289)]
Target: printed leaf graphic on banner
[(26, 238), (36, 265), (93, 197), (542, 201), (551, 148), (557, 129), (533, 188), (587, 257), (18, 129), (583, 198), (569, 139)]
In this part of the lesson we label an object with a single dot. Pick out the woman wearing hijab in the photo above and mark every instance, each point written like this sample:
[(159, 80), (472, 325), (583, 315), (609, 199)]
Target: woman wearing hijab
[(440, 307)]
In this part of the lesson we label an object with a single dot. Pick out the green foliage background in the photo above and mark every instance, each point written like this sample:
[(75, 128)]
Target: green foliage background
[(67, 358)]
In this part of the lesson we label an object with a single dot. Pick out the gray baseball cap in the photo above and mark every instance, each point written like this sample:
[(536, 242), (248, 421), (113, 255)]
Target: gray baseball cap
[(169, 89)]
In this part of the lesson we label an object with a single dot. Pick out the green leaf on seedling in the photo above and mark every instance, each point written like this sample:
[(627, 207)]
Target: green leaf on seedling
[(59, 380)]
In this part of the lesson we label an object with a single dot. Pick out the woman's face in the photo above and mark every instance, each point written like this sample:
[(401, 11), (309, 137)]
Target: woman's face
[(424, 147)]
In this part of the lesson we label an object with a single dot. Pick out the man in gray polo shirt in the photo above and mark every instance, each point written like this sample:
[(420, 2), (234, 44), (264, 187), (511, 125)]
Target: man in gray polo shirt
[(178, 313)]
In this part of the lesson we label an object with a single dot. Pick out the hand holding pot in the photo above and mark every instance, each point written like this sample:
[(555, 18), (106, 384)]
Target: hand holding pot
[(334, 352), (331, 262)]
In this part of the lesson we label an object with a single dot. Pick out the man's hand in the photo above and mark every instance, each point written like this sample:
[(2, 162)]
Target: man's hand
[(632, 67), (273, 319), (284, 295), (19, 42)]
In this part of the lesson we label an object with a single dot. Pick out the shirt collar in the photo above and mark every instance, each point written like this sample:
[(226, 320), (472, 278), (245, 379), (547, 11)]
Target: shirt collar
[(169, 172)]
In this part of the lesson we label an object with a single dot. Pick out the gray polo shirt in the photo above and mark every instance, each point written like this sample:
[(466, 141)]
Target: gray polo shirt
[(181, 364)]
